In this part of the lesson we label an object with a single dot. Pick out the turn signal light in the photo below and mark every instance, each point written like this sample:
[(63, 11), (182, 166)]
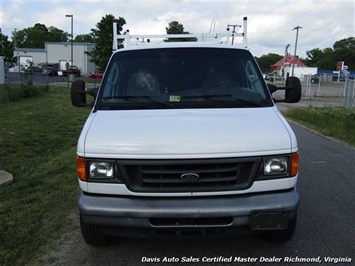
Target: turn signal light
[(294, 164), (80, 167)]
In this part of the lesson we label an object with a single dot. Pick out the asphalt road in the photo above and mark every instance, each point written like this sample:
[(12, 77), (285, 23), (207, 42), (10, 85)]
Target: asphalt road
[(325, 222)]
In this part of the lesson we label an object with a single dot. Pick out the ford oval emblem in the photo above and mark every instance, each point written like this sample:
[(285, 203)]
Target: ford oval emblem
[(189, 177)]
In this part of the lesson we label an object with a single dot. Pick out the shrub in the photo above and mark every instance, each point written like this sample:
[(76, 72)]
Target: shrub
[(30, 91), (4, 95), (15, 92)]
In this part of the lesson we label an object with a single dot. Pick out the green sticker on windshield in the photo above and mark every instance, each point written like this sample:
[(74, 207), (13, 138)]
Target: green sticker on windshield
[(174, 98)]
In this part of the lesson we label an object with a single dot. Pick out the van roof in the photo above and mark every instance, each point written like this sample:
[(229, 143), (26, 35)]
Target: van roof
[(228, 37), (179, 45)]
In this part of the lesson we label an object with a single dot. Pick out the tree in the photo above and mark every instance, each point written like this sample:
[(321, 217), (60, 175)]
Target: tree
[(57, 35), (323, 59), (313, 57), (177, 28), (6, 50), (85, 38), (327, 61), (265, 61), (36, 36), (103, 37), (344, 50)]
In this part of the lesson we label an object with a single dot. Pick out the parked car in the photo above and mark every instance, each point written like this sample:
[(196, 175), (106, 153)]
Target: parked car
[(37, 69), (98, 75), (72, 70), (269, 76), (49, 69)]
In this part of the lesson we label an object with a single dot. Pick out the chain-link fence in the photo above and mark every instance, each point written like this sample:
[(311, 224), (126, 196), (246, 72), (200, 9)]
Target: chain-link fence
[(310, 87), (349, 93), (36, 78)]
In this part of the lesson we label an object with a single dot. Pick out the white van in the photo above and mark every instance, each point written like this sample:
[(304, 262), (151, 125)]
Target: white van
[(185, 140)]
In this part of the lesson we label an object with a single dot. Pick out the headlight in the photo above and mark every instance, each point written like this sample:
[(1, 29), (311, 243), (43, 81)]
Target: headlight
[(276, 166), (98, 170), (101, 170)]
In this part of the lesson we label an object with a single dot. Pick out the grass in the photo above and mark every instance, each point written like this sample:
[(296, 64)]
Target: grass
[(38, 139), (336, 122)]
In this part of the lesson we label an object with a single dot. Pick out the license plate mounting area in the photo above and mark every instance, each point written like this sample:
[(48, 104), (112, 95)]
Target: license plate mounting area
[(269, 220)]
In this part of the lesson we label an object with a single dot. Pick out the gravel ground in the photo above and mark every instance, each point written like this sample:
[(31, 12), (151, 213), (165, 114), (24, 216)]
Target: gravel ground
[(318, 96)]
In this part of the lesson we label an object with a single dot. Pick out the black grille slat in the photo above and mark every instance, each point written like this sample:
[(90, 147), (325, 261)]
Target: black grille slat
[(215, 180), (166, 175), (212, 170)]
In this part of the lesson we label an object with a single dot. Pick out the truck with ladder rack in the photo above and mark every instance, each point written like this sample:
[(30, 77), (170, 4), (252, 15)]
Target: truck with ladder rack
[(185, 140)]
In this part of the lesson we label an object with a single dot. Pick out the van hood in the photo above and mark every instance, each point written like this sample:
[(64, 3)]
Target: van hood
[(186, 133)]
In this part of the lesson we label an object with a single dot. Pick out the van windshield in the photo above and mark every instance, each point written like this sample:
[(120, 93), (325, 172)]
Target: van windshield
[(183, 78)]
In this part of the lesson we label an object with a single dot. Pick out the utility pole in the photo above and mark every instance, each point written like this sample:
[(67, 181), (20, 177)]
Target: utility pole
[(284, 62), (71, 45), (294, 56), (15, 39)]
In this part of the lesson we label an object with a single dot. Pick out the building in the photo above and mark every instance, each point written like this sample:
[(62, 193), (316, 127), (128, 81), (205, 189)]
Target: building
[(287, 61), (57, 53), (283, 67)]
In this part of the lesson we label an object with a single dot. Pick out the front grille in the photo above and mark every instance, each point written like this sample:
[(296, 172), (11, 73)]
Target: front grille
[(202, 175)]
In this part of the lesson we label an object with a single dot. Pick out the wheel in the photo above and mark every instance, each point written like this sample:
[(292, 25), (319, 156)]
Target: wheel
[(92, 234), (281, 236)]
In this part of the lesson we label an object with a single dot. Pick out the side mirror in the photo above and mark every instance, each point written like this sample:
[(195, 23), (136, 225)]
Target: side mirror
[(272, 88), (293, 90), (78, 94)]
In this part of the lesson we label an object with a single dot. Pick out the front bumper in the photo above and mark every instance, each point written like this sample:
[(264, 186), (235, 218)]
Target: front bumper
[(193, 216)]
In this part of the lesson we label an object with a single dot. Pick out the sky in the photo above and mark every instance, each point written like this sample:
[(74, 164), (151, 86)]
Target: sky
[(271, 24)]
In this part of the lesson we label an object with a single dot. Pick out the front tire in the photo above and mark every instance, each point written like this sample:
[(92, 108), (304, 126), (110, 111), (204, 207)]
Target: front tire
[(92, 234), (282, 236)]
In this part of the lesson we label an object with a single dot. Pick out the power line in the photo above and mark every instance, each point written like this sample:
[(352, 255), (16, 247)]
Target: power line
[(304, 13)]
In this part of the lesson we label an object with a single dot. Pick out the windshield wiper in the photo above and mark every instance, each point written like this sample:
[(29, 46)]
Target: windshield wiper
[(249, 102), (211, 96), (206, 96), (134, 98)]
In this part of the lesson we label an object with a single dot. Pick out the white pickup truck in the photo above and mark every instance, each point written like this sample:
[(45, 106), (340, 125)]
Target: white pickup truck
[(185, 140)]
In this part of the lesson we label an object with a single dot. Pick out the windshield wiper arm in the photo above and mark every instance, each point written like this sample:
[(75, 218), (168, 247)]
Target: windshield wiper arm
[(210, 96), (125, 97), (133, 97), (206, 96), (254, 103)]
